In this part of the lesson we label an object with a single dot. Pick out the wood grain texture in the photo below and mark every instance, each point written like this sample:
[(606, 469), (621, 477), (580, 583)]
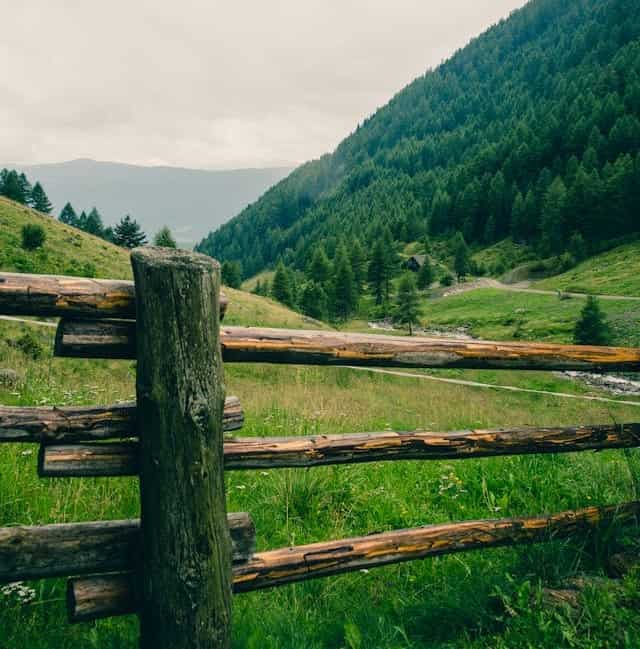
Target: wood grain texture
[(80, 460), (58, 295), (186, 558), (38, 552), (71, 424), (288, 565), (86, 339)]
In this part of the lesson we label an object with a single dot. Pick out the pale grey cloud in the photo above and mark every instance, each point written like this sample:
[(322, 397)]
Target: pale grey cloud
[(207, 83)]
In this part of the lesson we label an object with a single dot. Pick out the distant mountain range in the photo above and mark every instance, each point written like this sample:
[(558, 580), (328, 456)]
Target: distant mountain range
[(192, 202)]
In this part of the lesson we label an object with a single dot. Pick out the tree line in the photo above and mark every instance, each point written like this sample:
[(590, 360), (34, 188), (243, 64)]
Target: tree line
[(127, 233)]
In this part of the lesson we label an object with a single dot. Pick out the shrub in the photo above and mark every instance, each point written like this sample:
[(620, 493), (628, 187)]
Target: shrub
[(33, 236), (592, 328), (28, 344), (446, 279)]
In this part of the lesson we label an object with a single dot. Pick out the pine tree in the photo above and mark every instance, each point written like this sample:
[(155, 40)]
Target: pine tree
[(592, 327), (231, 274), (128, 233), (93, 223), (12, 187), (407, 302), (165, 239), (320, 267), (462, 256), (27, 190), (281, 287), (377, 272), (425, 275), (313, 300), (554, 217), (68, 215), (344, 290), (82, 220), (358, 265), (39, 200)]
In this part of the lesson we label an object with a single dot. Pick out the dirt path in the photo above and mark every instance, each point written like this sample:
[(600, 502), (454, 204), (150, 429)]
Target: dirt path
[(522, 287), (489, 386), (11, 318)]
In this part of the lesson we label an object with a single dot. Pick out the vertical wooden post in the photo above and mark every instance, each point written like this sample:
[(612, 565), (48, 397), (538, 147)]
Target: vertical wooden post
[(186, 565)]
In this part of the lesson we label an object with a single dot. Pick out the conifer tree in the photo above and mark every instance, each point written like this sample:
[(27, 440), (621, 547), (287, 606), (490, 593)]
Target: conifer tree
[(128, 233), (12, 187), (68, 215), (281, 287), (320, 267), (231, 274), (313, 300), (165, 239), (425, 275), (93, 223), (27, 190), (592, 327), (39, 200), (344, 291), (462, 256), (358, 264), (407, 302), (377, 272), (553, 217)]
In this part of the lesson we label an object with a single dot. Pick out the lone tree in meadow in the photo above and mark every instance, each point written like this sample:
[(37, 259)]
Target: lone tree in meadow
[(407, 302), (165, 239), (128, 233), (39, 200), (592, 327)]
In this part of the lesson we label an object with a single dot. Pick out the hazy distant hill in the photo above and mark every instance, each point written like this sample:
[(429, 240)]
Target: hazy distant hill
[(191, 201)]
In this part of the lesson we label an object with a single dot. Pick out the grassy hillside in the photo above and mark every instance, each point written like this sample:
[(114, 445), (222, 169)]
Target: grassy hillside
[(66, 251), (614, 272)]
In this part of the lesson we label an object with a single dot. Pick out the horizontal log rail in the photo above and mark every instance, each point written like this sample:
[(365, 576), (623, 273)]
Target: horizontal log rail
[(80, 548), (93, 597), (91, 339), (58, 295), (71, 424), (81, 460)]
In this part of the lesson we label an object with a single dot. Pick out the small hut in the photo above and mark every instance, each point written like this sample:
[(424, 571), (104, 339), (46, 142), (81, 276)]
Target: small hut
[(415, 263)]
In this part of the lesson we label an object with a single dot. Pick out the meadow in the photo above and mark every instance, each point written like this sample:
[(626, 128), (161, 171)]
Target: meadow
[(482, 599)]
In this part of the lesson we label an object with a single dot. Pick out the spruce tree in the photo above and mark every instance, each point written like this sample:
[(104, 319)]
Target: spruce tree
[(358, 264), (592, 327), (377, 272), (553, 223), (319, 269), (462, 256), (93, 223), (165, 239), (27, 190), (128, 233), (68, 215), (281, 287), (407, 302), (425, 275), (313, 300), (344, 290), (231, 274), (12, 187), (39, 200)]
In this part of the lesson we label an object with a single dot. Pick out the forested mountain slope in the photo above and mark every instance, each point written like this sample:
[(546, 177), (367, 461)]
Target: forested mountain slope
[(532, 130)]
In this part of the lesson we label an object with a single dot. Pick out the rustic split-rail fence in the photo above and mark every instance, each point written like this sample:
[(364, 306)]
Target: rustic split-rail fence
[(177, 567)]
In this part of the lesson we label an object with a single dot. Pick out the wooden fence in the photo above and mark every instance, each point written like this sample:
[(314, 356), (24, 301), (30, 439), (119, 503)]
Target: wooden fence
[(178, 565)]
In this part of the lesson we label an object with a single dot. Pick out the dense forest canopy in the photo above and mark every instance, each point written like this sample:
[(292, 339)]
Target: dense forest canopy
[(531, 131)]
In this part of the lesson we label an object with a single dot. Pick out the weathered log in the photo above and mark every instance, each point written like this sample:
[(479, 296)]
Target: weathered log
[(71, 424), (288, 565), (38, 552), (186, 559), (87, 339), (80, 460), (57, 295)]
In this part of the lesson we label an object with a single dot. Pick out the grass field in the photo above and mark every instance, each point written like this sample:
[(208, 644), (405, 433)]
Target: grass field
[(611, 272), (447, 602), (490, 599)]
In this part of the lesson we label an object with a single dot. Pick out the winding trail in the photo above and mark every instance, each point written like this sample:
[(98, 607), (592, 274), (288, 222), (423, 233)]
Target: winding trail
[(488, 282)]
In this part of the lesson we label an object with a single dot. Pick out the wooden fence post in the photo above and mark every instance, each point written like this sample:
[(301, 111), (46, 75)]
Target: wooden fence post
[(186, 565)]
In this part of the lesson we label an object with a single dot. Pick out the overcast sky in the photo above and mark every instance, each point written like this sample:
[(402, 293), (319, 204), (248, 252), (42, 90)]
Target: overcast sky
[(211, 84)]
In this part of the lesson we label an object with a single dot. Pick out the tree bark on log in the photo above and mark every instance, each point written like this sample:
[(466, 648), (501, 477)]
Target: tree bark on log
[(59, 295), (288, 565), (82, 460), (39, 552), (186, 565), (72, 424), (89, 339)]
